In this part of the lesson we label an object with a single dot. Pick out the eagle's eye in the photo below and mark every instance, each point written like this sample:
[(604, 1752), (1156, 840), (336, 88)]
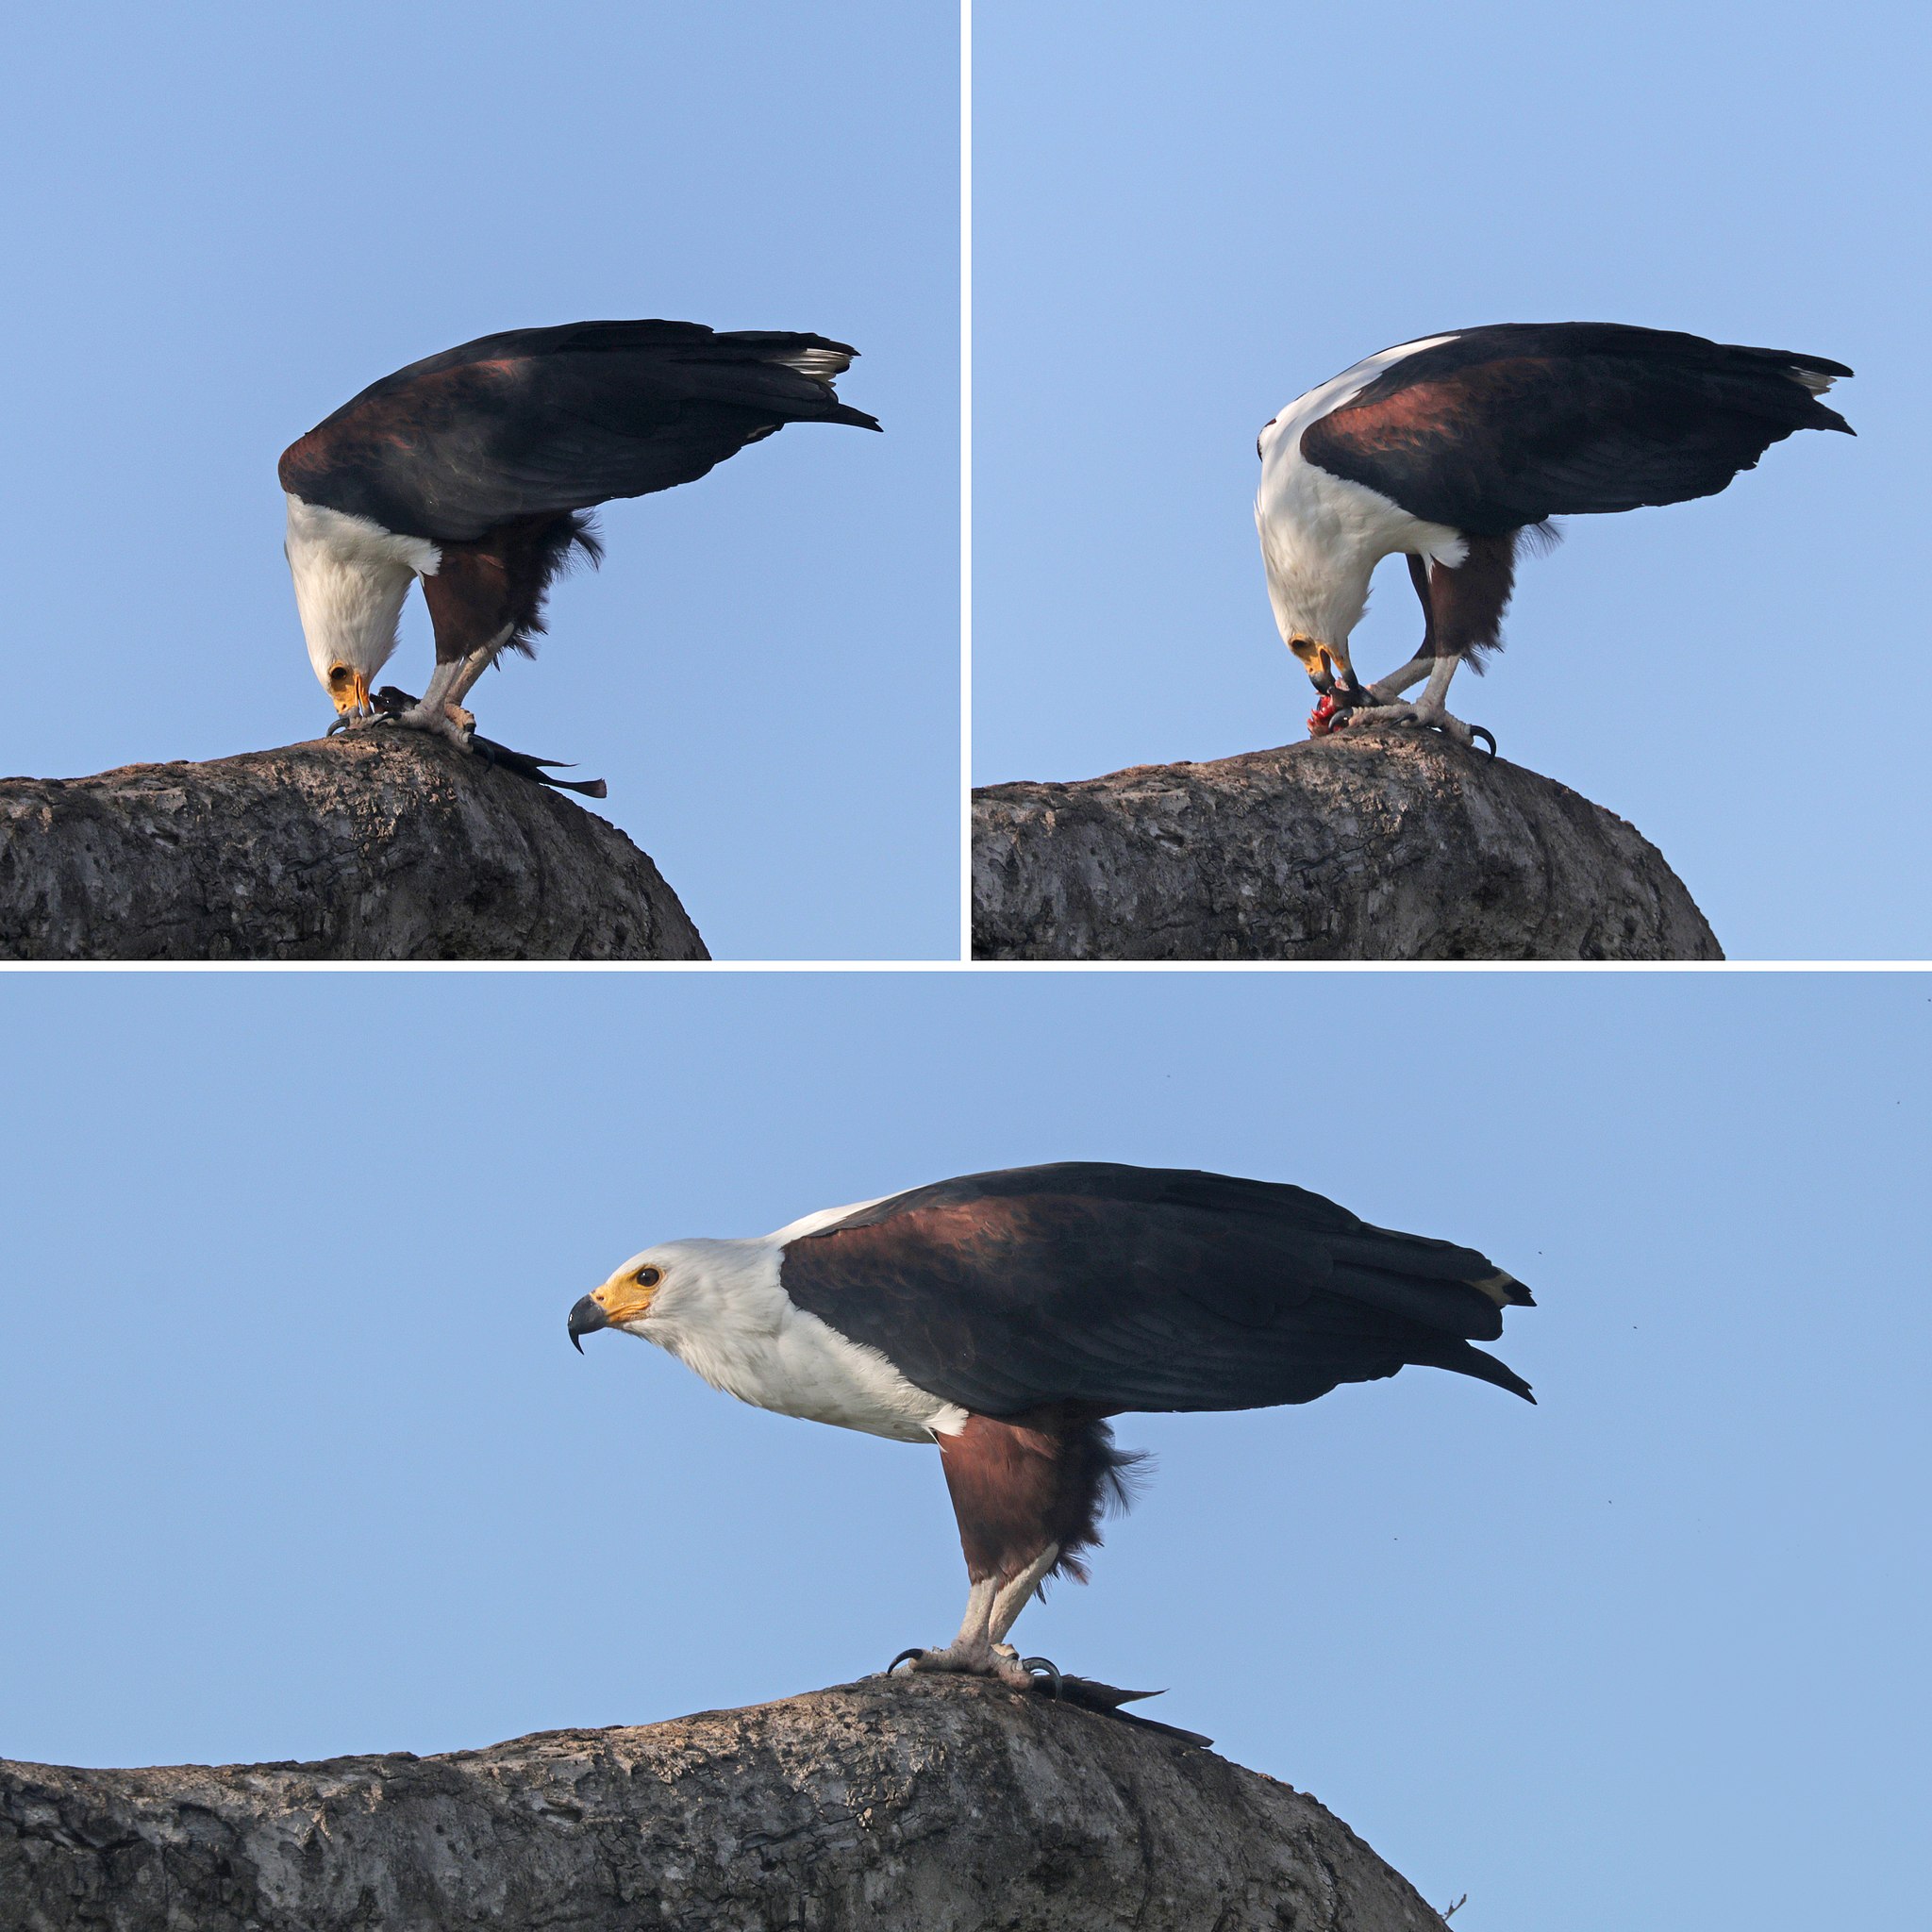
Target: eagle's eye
[(648, 1277)]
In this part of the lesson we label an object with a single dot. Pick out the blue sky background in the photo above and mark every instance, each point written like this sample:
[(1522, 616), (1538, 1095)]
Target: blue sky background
[(225, 220), (301, 1461), (1185, 217)]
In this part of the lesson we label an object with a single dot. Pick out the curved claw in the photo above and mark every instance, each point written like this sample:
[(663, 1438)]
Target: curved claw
[(913, 1655), (342, 724), (1488, 737), (1044, 1666)]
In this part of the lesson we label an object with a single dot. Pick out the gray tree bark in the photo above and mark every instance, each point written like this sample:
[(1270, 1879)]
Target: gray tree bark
[(928, 1804), (1389, 843), (387, 844)]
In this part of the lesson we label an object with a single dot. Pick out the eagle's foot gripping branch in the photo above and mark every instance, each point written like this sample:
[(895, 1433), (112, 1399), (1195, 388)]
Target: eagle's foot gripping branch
[(392, 707), (1331, 716), (998, 1660), (1045, 1679), (450, 721)]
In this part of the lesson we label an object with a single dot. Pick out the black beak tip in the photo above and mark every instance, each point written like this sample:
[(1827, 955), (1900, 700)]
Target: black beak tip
[(585, 1318)]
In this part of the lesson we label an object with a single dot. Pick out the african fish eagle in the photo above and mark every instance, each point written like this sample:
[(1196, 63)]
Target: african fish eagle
[(1007, 1316), (473, 469), (1454, 449)]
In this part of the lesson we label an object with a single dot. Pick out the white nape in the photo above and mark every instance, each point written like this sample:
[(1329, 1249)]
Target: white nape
[(723, 1311), (1322, 535), (351, 577)]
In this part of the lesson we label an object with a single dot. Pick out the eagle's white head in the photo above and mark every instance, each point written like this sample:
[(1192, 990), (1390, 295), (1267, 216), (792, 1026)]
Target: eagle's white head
[(720, 1308), (1321, 535), (351, 577), (670, 1270)]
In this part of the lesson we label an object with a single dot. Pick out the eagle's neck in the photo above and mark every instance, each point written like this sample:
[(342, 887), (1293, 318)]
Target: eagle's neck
[(351, 577), (724, 1312), (1322, 535)]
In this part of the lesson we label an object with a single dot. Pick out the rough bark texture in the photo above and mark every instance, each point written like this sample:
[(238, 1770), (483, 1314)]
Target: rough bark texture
[(1387, 844), (385, 845), (931, 1805)]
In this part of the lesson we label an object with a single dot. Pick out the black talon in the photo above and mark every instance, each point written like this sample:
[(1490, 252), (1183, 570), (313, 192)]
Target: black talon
[(1488, 737), (1046, 1668), (915, 1653)]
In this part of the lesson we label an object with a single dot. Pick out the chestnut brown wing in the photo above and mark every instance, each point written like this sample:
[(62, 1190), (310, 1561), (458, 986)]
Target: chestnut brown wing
[(539, 421), (1129, 1287), (1508, 425)]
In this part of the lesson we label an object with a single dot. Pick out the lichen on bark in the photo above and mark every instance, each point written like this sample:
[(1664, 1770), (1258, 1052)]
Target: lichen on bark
[(387, 845), (1389, 843), (927, 1804)]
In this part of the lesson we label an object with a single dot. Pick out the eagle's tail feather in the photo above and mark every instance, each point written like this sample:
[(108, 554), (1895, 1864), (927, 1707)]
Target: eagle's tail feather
[(1460, 1358)]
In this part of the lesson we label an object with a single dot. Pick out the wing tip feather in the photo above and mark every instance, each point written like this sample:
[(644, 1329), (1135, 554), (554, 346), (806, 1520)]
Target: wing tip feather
[(1505, 1291)]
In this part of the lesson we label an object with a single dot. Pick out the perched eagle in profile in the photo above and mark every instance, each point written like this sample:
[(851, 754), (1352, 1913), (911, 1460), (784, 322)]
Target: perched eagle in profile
[(1007, 1316), (473, 469), (1454, 449)]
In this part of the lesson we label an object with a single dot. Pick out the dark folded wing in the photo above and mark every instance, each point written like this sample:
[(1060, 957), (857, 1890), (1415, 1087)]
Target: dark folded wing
[(1143, 1289), (1508, 425), (539, 421)]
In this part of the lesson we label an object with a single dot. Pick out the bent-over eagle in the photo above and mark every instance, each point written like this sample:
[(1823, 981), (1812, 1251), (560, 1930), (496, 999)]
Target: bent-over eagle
[(1454, 449), (473, 470), (1007, 1316)]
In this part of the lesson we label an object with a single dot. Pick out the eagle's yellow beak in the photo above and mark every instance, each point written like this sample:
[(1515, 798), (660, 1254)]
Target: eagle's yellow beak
[(349, 691), (1328, 667), (1322, 662), (623, 1298)]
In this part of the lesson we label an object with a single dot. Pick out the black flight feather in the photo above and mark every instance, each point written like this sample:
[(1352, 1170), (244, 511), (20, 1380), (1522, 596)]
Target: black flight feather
[(1516, 423), (1126, 1288)]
